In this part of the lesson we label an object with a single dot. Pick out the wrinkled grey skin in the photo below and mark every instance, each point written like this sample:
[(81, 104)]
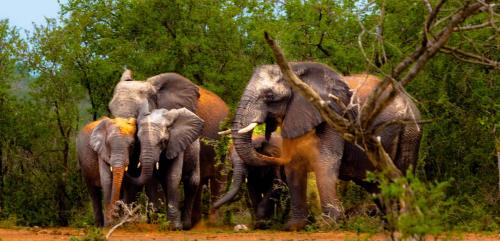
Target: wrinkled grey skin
[(100, 148), (169, 141), (269, 99), (170, 91), (259, 180)]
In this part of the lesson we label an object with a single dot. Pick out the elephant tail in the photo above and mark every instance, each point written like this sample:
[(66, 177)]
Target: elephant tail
[(239, 172)]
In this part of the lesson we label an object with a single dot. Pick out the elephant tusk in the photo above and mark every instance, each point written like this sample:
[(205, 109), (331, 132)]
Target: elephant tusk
[(126, 168), (138, 164), (157, 165), (248, 128), (111, 168), (226, 132)]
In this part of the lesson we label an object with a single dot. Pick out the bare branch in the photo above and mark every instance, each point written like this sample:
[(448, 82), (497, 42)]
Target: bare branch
[(473, 27), (320, 45), (441, 40), (131, 214), (331, 117), (372, 145), (470, 57), (417, 60), (430, 20), (428, 5)]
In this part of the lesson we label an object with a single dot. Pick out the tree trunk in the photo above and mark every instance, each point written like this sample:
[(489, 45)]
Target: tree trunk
[(62, 196), (1, 178)]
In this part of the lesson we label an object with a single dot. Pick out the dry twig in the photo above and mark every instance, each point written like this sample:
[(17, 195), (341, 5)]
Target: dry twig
[(131, 215)]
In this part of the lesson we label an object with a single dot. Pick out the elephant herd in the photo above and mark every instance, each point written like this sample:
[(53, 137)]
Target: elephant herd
[(162, 126)]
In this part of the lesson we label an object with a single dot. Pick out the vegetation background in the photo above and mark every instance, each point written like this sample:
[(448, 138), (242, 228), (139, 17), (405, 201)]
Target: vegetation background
[(63, 74)]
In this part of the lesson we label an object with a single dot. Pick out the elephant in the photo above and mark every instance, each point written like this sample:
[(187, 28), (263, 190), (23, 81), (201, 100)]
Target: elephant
[(170, 142), (170, 91), (309, 144), (103, 149), (262, 182)]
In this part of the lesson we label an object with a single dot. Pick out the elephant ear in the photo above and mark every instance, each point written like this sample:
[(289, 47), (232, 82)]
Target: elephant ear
[(301, 116), (184, 128), (98, 139), (174, 91)]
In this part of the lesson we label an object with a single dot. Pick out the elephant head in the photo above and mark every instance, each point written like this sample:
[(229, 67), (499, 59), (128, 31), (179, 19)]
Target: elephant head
[(112, 140), (269, 99), (165, 131), (168, 90)]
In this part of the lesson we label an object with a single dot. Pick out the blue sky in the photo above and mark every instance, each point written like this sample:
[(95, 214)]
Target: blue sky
[(22, 13)]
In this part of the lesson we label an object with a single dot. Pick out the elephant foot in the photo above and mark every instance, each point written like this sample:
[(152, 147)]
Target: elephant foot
[(295, 225), (262, 224), (186, 223), (186, 226), (175, 226), (213, 216)]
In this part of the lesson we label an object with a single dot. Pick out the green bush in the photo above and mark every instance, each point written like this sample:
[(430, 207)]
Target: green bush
[(414, 208)]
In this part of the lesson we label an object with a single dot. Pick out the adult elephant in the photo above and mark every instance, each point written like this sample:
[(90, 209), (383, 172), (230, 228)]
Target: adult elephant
[(169, 143), (264, 183), (172, 91), (309, 144), (103, 149)]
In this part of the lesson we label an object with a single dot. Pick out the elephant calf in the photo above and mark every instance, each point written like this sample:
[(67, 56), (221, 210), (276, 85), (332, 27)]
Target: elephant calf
[(261, 180), (170, 149), (103, 148)]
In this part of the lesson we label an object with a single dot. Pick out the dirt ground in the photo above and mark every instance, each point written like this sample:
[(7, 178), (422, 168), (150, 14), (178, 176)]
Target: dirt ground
[(150, 232)]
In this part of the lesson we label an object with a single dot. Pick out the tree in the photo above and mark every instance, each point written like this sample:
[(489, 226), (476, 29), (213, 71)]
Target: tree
[(358, 130)]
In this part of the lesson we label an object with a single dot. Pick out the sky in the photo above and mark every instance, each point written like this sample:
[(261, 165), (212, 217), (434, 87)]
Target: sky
[(22, 13)]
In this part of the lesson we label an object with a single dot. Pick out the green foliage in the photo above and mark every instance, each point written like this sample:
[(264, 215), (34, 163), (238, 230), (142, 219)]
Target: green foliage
[(414, 208), (63, 75)]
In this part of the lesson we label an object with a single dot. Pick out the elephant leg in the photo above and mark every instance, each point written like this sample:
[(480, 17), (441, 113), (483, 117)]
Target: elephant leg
[(296, 174), (326, 169), (155, 197), (96, 196), (130, 192), (217, 185), (106, 185), (191, 186), (171, 188), (265, 210), (254, 195), (196, 210), (190, 192)]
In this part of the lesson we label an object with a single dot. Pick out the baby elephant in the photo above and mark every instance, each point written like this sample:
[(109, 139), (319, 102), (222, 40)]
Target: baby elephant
[(170, 151), (103, 148), (265, 183)]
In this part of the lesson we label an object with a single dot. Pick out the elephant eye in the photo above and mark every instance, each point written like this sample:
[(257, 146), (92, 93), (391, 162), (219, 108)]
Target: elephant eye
[(268, 94)]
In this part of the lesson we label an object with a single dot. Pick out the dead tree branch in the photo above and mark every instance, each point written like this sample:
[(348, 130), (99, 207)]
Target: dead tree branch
[(414, 63), (371, 144), (405, 71), (473, 27), (470, 57), (131, 215)]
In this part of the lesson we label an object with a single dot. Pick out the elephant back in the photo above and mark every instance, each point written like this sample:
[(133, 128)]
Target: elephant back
[(401, 107), (213, 110)]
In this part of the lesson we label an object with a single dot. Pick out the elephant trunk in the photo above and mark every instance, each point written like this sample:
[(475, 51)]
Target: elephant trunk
[(148, 160), (118, 173), (239, 172), (250, 111), (116, 162)]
